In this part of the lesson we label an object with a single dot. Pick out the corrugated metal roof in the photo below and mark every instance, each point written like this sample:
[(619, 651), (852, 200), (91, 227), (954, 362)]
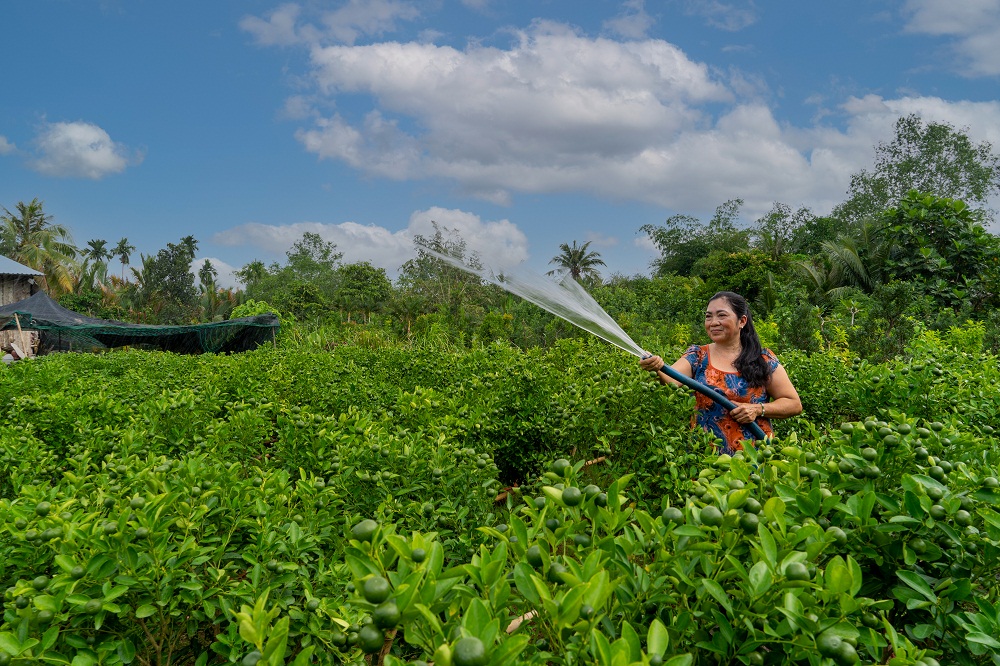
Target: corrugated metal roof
[(11, 267)]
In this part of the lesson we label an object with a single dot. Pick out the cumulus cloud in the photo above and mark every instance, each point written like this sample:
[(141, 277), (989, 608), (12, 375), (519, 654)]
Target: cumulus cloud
[(500, 240), (287, 26), (560, 111), (6, 147), (79, 150), (974, 25)]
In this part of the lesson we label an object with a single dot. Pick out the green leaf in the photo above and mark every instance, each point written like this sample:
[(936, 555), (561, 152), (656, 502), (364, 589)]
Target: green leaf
[(145, 611), (760, 578), (631, 638), (657, 638), (680, 660), (918, 584), (718, 594), (837, 578), (982, 639)]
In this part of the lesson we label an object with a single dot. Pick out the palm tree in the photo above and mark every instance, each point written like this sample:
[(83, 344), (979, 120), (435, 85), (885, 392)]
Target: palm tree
[(578, 262), (123, 251), (30, 237)]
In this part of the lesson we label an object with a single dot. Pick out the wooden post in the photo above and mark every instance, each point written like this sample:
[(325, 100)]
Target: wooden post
[(20, 336)]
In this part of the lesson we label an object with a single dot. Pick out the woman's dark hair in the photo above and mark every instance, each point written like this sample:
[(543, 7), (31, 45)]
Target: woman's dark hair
[(750, 363)]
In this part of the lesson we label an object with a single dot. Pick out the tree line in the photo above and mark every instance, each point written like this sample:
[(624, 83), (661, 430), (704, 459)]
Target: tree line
[(907, 249)]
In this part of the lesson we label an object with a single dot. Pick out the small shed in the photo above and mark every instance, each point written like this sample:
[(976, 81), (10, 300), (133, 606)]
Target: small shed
[(17, 281)]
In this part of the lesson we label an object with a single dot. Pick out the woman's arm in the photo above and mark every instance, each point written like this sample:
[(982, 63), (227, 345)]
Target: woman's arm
[(654, 363), (785, 400)]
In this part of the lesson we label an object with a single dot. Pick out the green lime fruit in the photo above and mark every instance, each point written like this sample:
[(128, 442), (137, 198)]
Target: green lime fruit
[(935, 493), (828, 644), (991, 482), (938, 512), (601, 499), (45, 617), (839, 536), (375, 590), (386, 615), (418, 555), (847, 428), (42, 509), (572, 496), (963, 517), (672, 515), (752, 506), (591, 491), (555, 573), (749, 523), (534, 556), (937, 426), (137, 502), (77, 572), (561, 467), (540, 502), (40, 583), (755, 659), (796, 571), (711, 516), (469, 651), (312, 604), (370, 639), (869, 454), (142, 533), (846, 655), (93, 607), (365, 530)]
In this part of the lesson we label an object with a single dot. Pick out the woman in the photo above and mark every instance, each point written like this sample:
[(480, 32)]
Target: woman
[(738, 366)]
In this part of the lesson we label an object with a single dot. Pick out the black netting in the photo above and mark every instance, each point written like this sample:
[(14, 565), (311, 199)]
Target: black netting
[(65, 330)]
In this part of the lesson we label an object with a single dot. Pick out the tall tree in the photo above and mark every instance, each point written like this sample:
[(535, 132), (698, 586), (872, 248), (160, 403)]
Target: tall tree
[(934, 158), (580, 263), (166, 284), (683, 239), (123, 250), (363, 288), (29, 237)]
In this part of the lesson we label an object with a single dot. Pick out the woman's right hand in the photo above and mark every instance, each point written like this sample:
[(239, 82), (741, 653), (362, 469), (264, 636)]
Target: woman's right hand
[(651, 363)]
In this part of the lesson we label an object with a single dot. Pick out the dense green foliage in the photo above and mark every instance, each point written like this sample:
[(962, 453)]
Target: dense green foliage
[(162, 509)]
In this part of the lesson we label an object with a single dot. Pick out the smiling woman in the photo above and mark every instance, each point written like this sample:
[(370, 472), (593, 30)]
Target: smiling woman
[(735, 364)]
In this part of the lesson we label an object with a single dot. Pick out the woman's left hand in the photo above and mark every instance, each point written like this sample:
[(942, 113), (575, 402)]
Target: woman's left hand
[(745, 412)]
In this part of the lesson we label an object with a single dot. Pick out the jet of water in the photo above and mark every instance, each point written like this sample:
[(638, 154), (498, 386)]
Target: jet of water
[(564, 298)]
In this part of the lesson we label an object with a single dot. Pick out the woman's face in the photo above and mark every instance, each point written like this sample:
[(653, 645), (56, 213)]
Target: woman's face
[(721, 322)]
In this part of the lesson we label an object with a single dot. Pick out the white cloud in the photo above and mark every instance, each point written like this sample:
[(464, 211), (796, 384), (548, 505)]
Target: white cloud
[(973, 24), (501, 242), (81, 150), (599, 239), (226, 277), (723, 15), (633, 22), (559, 111), (536, 117), (286, 26), (6, 147)]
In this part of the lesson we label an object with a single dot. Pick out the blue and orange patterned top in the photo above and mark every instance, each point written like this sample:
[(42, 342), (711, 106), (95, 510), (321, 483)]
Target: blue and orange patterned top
[(712, 416)]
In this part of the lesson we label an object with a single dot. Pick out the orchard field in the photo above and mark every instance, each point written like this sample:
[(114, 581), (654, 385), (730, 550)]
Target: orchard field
[(298, 506)]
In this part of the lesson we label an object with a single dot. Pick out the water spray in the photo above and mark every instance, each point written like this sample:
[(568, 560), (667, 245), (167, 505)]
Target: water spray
[(568, 300)]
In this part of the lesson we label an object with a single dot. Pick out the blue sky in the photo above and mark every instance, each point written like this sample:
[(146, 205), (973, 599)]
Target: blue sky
[(521, 125)]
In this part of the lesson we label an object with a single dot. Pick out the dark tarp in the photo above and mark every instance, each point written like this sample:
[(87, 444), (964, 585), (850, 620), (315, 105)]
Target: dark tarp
[(61, 328)]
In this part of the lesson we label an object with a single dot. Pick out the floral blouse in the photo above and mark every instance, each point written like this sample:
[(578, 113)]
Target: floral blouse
[(712, 416)]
